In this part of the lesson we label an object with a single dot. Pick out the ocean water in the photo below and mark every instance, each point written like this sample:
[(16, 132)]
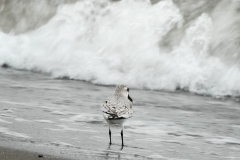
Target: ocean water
[(63, 118), (181, 59), (188, 45)]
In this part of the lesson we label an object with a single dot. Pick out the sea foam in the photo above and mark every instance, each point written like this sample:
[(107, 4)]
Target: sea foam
[(111, 43)]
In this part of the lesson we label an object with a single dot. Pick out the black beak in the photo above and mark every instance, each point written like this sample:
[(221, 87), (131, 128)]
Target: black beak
[(130, 99)]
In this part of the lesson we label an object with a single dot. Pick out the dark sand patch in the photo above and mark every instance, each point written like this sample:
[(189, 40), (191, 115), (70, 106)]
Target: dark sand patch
[(12, 154)]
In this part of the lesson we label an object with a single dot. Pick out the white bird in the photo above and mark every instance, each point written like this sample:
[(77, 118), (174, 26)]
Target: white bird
[(118, 108)]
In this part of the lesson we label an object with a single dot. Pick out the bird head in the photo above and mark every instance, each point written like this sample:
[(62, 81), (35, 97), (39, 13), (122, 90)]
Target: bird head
[(123, 90)]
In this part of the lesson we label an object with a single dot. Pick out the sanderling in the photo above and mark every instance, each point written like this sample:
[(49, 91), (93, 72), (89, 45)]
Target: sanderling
[(118, 108)]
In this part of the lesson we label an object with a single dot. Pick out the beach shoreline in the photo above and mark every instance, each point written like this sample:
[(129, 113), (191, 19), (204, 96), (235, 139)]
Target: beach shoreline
[(7, 153), (12, 148)]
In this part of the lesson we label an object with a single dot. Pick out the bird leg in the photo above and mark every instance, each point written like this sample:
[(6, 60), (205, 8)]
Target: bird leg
[(122, 136), (110, 136)]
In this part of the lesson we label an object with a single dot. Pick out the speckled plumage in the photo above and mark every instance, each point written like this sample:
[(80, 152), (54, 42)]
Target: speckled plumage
[(118, 106)]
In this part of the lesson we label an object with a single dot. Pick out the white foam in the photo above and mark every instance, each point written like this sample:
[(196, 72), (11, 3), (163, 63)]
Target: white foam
[(59, 113), (156, 156), (14, 134), (66, 128), (63, 112), (15, 103), (84, 118), (163, 128), (224, 140), (44, 121), (21, 120), (47, 107), (3, 121), (119, 43)]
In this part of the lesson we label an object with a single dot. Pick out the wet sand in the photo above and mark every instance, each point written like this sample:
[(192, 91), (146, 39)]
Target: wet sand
[(13, 154), (62, 118)]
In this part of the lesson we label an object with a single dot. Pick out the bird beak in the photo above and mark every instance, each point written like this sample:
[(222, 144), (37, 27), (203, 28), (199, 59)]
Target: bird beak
[(130, 99)]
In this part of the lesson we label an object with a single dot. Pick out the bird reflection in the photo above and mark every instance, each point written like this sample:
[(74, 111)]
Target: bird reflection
[(111, 153)]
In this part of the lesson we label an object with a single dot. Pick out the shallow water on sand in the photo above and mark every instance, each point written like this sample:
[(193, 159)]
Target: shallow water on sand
[(63, 117)]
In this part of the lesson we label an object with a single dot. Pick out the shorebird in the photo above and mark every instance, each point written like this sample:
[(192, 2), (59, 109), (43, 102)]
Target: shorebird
[(117, 109)]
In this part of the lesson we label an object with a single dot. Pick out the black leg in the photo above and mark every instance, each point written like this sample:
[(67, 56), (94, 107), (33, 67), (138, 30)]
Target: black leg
[(110, 136), (122, 137)]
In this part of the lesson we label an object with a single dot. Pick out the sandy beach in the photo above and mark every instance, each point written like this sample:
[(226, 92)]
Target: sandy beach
[(62, 118), (12, 154)]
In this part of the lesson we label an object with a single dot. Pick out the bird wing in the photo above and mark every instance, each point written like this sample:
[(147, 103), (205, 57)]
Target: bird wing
[(117, 107)]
